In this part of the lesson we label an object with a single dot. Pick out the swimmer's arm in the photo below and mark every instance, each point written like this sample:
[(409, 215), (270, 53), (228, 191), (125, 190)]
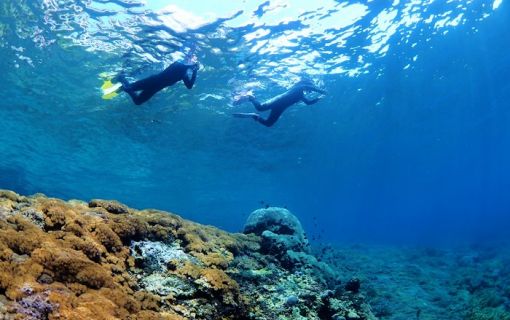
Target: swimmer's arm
[(314, 88), (309, 102), (189, 82)]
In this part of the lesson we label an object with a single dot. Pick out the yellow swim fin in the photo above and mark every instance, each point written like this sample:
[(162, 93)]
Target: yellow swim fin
[(110, 89)]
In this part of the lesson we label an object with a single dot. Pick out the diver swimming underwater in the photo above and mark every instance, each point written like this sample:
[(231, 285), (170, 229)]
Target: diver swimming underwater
[(142, 90), (280, 103)]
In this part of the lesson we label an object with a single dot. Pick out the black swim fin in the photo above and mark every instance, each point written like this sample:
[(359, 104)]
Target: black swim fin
[(246, 115)]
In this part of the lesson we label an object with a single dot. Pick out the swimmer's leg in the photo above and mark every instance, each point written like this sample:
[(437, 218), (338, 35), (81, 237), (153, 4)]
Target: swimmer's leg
[(259, 106), (143, 84), (122, 79), (142, 97), (147, 86), (273, 117), (129, 89), (147, 83)]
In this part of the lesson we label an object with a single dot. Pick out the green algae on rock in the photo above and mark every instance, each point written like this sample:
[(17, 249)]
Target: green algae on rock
[(103, 260)]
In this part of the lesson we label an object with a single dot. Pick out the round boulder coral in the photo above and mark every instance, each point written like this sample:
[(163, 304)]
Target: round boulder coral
[(279, 228)]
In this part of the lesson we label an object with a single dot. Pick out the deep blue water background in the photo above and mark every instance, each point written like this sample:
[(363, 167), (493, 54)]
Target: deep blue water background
[(402, 155)]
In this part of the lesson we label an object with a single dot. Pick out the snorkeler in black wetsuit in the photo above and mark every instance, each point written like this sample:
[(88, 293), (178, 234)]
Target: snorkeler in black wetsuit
[(149, 86), (280, 103)]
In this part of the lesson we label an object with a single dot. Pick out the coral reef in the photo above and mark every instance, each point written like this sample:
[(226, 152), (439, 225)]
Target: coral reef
[(279, 229), (103, 260), (455, 283)]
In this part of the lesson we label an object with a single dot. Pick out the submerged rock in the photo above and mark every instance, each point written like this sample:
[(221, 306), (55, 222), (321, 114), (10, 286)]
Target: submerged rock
[(279, 229), (103, 260), (283, 238)]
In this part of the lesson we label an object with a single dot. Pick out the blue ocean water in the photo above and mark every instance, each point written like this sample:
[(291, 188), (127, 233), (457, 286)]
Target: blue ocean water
[(411, 143)]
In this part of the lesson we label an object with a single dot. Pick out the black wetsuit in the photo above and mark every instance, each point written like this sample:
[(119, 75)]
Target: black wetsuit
[(280, 103), (149, 86)]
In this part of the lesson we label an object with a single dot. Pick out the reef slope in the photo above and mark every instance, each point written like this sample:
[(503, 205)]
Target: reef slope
[(103, 260)]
